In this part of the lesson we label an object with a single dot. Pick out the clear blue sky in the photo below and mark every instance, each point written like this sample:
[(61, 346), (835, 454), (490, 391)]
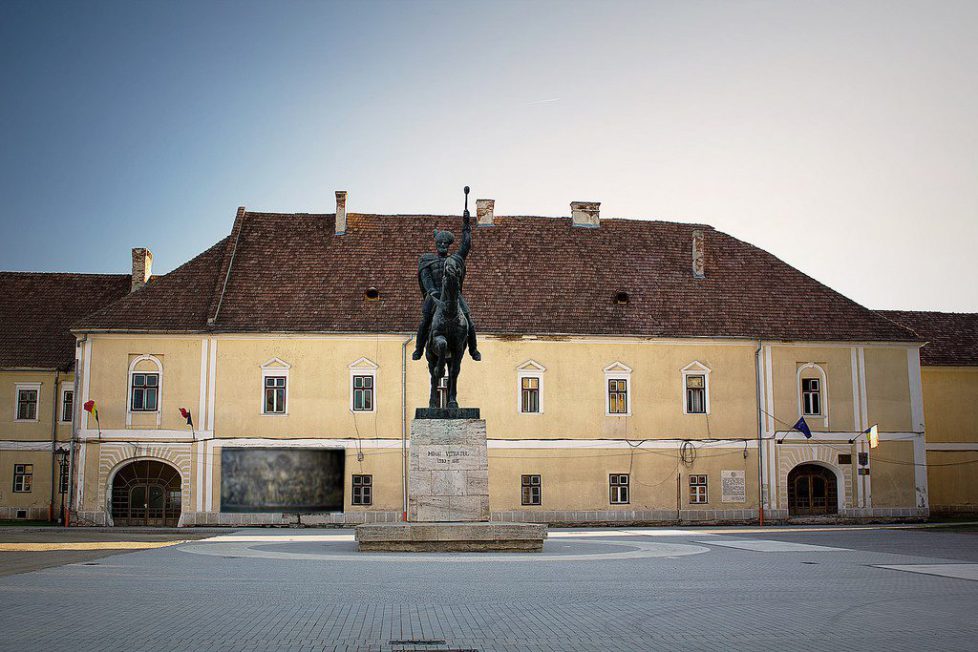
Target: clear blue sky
[(842, 137)]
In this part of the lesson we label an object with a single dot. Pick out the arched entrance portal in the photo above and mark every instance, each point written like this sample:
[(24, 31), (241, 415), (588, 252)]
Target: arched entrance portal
[(146, 492), (813, 490)]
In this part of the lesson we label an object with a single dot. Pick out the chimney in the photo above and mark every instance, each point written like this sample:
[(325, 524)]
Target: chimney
[(340, 212), (483, 211), (699, 252), (142, 267), (586, 213)]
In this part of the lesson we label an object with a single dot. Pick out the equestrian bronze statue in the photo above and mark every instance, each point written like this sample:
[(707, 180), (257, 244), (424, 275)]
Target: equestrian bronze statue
[(446, 328)]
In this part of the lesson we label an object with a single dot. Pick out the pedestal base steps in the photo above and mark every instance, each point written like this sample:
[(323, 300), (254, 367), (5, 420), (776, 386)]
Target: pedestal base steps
[(451, 537)]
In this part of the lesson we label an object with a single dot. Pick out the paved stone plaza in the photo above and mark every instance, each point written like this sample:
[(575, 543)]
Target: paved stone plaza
[(631, 589)]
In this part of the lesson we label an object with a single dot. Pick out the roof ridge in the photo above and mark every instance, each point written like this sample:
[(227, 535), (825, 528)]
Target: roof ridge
[(221, 284)]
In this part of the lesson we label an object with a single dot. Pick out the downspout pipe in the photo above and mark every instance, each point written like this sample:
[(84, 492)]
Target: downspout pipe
[(54, 439), (76, 408), (760, 435), (404, 456)]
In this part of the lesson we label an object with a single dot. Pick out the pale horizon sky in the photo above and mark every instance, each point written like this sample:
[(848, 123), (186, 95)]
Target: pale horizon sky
[(840, 136)]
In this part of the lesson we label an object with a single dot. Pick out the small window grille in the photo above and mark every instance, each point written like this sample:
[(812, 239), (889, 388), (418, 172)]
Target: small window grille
[(696, 394), (145, 392), (618, 396), (698, 490), (619, 488), (67, 405), (531, 490), (23, 478), (275, 394), (363, 489), (529, 394), (363, 393), (811, 390), (27, 405)]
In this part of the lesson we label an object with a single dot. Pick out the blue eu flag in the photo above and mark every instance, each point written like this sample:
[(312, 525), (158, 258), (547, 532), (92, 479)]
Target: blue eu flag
[(803, 428)]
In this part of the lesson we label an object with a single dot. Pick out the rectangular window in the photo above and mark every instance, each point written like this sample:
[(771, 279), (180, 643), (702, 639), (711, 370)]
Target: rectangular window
[(363, 393), (696, 394), (23, 478), (619, 488), (529, 395), (363, 490), (811, 391), (67, 405), (530, 490), (697, 490), (275, 395), (145, 392), (443, 390), (27, 405), (618, 396)]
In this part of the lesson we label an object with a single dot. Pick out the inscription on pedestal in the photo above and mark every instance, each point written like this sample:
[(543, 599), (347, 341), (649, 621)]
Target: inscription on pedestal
[(448, 478)]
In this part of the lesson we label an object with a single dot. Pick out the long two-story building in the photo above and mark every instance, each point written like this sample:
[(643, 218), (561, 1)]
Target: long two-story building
[(633, 371)]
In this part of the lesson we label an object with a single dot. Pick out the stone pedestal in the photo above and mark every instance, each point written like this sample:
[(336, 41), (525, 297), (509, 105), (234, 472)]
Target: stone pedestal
[(448, 477), (448, 494)]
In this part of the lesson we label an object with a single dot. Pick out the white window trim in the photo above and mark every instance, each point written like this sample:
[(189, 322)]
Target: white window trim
[(275, 368), (696, 368), (529, 369), (159, 389), (37, 411), (364, 367), (618, 371), (824, 416), (61, 404)]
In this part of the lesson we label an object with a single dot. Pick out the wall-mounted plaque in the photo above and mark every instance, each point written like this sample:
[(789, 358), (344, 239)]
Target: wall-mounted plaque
[(733, 486)]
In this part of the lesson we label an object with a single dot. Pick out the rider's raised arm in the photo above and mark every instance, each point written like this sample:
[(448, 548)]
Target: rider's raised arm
[(463, 248)]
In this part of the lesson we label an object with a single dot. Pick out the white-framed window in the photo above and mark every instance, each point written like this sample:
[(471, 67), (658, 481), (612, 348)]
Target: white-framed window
[(529, 387), (531, 490), (698, 494), (363, 489), (275, 387), (145, 387), (442, 390), (618, 484), (363, 386), (813, 395), (145, 392), (618, 390), (696, 388), (23, 478), (26, 397), (67, 404)]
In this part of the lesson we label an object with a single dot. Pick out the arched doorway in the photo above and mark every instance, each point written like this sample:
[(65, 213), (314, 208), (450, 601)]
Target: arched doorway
[(146, 492), (813, 490)]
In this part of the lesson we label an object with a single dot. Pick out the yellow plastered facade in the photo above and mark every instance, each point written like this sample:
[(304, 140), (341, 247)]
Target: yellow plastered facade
[(951, 406), (572, 443)]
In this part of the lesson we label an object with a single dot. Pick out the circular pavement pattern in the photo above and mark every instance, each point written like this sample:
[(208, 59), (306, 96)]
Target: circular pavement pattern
[(268, 548)]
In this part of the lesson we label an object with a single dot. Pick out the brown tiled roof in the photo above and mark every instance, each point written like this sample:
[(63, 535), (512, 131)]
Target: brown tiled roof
[(36, 310), (526, 275), (952, 337), (177, 301)]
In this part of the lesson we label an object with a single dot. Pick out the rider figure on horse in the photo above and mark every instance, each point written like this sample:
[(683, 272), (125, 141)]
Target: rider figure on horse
[(431, 271)]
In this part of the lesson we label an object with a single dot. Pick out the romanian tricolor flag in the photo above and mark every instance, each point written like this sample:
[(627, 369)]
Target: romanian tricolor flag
[(873, 435), (185, 413), (92, 409)]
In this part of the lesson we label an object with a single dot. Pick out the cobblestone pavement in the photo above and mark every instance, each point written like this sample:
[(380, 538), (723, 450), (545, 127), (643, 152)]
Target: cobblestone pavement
[(589, 590)]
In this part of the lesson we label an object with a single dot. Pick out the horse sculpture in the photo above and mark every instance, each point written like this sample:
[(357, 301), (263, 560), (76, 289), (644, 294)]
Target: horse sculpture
[(449, 335)]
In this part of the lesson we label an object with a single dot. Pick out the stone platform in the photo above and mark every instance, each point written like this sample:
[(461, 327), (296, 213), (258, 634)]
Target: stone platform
[(451, 537)]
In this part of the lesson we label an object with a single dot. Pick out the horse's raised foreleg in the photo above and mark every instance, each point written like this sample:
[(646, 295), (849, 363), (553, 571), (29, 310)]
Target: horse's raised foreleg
[(454, 367)]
